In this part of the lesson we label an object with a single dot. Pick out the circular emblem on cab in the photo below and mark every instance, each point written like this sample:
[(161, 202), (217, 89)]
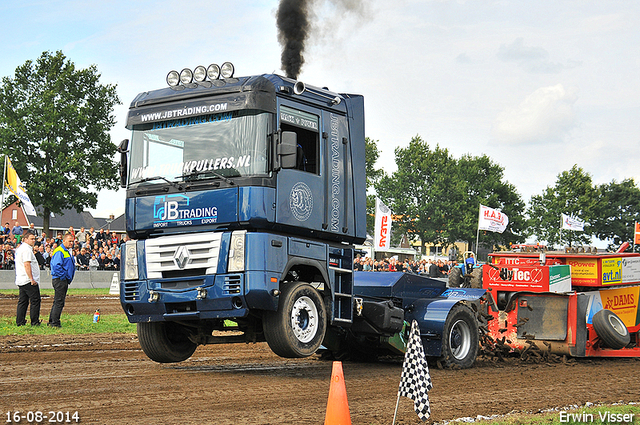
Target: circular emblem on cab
[(301, 201)]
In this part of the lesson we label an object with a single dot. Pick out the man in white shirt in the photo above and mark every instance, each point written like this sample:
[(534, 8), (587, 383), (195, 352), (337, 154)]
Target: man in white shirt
[(27, 280)]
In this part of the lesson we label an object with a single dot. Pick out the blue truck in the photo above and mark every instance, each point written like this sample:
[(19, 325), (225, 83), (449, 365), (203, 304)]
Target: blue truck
[(245, 197)]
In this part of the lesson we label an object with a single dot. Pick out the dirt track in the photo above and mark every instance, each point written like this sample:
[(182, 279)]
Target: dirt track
[(108, 380)]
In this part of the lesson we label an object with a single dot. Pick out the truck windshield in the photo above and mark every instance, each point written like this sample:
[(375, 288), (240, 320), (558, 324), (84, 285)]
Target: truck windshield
[(224, 145)]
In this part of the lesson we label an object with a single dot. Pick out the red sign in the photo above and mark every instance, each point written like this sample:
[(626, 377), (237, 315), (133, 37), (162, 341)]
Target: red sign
[(637, 235), (516, 278)]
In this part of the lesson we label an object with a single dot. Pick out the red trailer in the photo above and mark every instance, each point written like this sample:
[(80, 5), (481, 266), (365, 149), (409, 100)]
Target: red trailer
[(580, 304)]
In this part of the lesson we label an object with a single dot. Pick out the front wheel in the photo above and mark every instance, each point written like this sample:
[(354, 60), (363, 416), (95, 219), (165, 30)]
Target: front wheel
[(165, 342), (298, 327), (460, 338)]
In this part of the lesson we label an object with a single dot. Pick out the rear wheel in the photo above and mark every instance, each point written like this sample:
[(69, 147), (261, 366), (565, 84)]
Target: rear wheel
[(475, 278), (165, 342), (298, 327), (455, 277), (610, 329), (460, 338)]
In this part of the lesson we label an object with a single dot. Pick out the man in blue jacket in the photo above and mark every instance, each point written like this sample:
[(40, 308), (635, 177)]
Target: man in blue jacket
[(62, 270)]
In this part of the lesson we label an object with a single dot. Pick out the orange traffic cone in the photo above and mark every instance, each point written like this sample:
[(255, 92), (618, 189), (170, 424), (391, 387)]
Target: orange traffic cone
[(337, 406)]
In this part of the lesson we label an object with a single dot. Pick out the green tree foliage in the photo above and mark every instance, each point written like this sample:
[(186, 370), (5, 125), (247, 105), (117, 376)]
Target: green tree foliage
[(616, 211), (573, 195), (484, 184), (54, 123), (437, 197), (371, 154)]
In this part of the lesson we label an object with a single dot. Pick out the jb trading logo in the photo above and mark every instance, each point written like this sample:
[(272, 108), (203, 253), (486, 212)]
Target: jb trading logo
[(164, 209)]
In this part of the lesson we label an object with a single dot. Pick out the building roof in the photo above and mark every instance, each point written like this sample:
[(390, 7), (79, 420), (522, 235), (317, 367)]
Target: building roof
[(70, 217)]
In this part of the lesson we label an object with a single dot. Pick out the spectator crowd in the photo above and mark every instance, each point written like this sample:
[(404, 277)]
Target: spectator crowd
[(432, 268), (92, 250)]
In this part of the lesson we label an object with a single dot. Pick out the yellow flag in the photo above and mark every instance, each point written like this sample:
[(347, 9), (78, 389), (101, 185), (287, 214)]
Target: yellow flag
[(15, 186)]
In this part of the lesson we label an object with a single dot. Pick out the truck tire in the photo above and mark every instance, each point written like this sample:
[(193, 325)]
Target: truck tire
[(455, 277), (165, 342), (298, 327), (459, 338), (611, 330)]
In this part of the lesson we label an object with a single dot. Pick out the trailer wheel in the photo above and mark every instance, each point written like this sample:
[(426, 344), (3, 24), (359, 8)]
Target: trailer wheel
[(455, 277), (165, 342), (297, 329), (460, 338), (610, 329)]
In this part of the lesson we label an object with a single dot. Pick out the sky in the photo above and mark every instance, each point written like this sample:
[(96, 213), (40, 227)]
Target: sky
[(537, 86)]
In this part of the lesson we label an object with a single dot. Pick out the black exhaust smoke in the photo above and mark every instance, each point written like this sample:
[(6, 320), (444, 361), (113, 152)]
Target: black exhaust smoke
[(293, 29)]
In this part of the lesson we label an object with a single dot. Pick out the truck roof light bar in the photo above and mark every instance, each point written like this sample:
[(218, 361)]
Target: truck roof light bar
[(200, 75)]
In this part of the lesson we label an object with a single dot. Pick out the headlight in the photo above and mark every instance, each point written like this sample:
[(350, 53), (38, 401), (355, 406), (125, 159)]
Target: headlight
[(186, 76), (213, 72), (200, 73), (227, 70), (236, 251), (130, 261), (173, 78)]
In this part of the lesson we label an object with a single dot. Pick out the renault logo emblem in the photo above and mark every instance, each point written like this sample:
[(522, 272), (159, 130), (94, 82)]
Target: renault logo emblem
[(181, 256)]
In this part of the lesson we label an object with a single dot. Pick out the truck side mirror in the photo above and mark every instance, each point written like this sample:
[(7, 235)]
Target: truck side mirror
[(288, 149), (123, 149)]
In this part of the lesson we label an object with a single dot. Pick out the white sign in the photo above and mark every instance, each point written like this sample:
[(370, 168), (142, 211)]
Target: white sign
[(630, 269), (492, 220), (383, 227), (115, 285), (571, 223)]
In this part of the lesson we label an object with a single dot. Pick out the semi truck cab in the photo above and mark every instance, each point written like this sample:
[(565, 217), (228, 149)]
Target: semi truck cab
[(244, 199)]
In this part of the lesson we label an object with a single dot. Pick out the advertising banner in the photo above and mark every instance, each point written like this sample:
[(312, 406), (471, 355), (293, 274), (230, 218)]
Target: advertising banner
[(584, 271), (560, 278), (630, 269), (611, 271), (382, 239)]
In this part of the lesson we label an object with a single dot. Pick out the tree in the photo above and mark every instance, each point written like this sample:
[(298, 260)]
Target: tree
[(54, 123), (484, 184), (424, 192), (371, 155), (572, 195), (438, 197), (617, 210)]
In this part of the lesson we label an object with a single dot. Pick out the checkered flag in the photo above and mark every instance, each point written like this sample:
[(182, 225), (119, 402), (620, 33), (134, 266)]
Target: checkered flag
[(415, 381)]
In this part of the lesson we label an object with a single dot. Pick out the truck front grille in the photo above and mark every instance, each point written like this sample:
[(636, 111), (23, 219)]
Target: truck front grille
[(176, 254)]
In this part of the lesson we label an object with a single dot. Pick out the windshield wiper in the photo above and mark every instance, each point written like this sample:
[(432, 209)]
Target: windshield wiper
[(148, 179), (208, 173)]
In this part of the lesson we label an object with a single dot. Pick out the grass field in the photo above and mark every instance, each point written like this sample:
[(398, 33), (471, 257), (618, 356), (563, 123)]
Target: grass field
[(601, 415), (72, 323)]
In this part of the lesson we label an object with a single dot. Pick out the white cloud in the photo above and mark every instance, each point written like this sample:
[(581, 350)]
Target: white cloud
[(532, 59), (546, 115)]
